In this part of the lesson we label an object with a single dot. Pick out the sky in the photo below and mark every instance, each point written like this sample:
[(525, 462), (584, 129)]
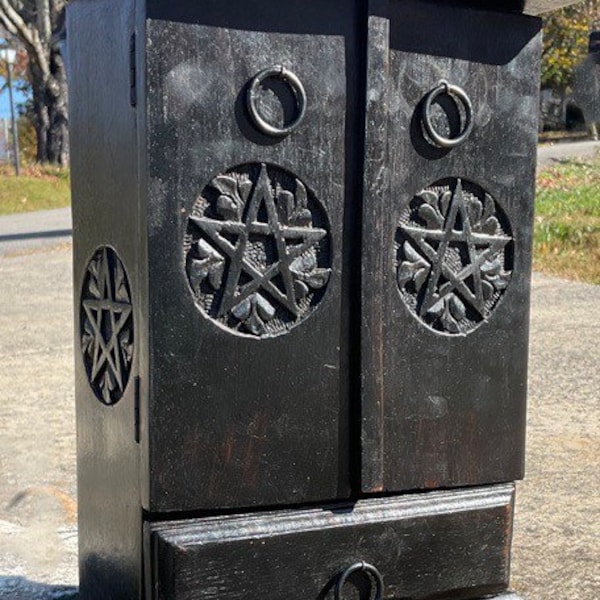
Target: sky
[(4, 103)]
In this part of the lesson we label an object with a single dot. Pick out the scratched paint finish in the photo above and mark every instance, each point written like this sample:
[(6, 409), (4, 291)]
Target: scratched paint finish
[(444, 336), (246, 293)]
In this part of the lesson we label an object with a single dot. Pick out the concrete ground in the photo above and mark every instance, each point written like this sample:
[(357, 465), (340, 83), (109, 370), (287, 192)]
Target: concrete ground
[(556, 548)]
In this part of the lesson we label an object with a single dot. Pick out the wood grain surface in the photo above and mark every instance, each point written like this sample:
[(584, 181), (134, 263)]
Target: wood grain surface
[(442, 544)]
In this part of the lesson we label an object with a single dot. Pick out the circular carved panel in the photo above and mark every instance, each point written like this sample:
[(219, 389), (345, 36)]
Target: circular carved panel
[(454, 253), (258, 251), (106, 325)]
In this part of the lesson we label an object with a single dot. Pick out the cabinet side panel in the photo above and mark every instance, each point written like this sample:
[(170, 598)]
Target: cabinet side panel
[(105, 217)]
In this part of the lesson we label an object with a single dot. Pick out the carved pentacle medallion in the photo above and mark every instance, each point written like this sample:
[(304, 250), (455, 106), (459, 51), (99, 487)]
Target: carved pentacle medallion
[(106, 325), (257, 250), (454, 252)]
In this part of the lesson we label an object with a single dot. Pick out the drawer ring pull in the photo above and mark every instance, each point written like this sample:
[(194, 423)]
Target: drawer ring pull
[(364, 567), (458, 94), (278, 72)]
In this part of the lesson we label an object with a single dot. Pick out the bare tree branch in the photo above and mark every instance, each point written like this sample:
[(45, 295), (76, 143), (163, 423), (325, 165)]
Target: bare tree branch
[(10, 28), (28, 35), (15, 23), (44, 25)]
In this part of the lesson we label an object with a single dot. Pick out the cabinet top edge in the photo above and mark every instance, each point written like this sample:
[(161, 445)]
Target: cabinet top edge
[(528, 7)]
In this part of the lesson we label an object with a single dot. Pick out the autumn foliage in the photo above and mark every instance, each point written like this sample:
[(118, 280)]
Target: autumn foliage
[(566, 33)]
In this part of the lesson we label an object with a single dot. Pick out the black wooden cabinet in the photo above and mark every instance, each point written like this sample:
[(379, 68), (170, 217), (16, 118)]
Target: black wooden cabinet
[(302, 240)]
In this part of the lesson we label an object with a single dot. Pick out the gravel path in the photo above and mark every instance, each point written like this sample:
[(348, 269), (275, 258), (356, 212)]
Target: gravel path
[(557, 533)]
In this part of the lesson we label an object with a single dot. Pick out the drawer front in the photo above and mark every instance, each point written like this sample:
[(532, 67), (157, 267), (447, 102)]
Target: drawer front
[(248, 309), (437, 544), (447, 244)]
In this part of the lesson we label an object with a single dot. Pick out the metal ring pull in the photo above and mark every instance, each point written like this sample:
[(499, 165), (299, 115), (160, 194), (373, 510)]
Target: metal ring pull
[(284, 74), (364, 567), (456, 93)]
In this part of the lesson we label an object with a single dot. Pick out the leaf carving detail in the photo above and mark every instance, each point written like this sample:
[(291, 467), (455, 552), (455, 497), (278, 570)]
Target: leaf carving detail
[(209, 264), (494, 275), (450, 310), (230, 204), (254, 312), (305, 269), (415, 269), (293, 209), (431, 216)]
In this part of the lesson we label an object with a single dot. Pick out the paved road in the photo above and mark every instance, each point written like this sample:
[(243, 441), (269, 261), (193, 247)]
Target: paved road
[(557, 522), (551, 153), (26, 231)]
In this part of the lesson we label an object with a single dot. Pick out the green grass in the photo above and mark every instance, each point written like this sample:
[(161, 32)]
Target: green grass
[(567, 222), (38, 188)]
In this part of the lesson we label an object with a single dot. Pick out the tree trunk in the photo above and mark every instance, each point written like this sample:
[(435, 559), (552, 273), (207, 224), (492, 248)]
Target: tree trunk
[(50, 106)]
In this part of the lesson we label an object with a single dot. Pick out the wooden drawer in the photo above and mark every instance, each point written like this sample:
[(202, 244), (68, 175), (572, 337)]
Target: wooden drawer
[(430, 545)]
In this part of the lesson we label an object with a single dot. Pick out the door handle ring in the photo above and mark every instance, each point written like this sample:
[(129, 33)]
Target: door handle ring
[(278, 72), (458, 95), (365, 567)]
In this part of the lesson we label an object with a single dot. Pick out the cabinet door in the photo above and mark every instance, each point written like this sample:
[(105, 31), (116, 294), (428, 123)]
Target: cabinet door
[(446, 244), (247, 308)]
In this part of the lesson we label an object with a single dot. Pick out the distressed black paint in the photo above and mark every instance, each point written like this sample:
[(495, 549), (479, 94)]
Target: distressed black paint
[(318, 314), (455, 544), (444, 384)]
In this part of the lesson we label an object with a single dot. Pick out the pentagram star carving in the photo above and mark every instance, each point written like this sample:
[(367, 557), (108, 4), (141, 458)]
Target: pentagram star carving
[(262, 253), (106, 341), (457, 260)]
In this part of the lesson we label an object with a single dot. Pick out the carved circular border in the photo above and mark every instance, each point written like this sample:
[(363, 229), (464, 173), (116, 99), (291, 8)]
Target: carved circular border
[(106, 325), (257, 250), (454, 255)]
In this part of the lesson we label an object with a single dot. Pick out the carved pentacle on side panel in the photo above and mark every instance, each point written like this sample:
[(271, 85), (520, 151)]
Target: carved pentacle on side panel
[(106, 322), (454, 255), (258, 250)]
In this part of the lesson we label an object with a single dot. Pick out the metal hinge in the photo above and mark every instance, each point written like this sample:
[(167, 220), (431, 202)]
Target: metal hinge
[(136, 410), (132, 72)]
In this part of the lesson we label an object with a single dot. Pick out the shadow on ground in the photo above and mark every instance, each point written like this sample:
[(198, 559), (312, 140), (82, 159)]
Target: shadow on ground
[(36, 235), (19, 588)]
